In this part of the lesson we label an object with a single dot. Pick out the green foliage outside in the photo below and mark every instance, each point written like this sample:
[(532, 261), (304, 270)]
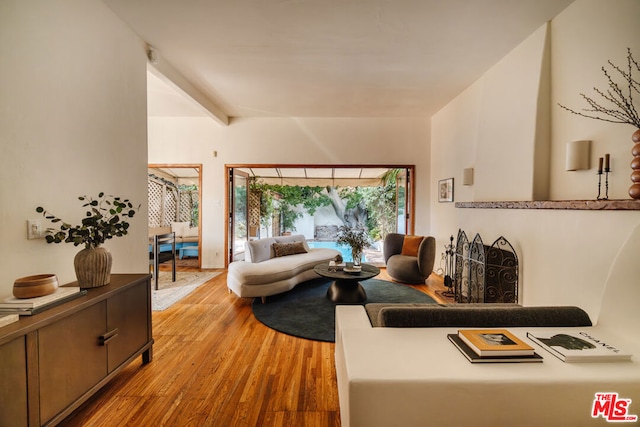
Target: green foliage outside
[(286, 199), (240, 211), (195, 203), (379, 203)]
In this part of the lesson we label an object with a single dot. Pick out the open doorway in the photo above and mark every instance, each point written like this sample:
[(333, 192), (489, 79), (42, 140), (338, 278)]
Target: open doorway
[(175, 192), (248, 217)]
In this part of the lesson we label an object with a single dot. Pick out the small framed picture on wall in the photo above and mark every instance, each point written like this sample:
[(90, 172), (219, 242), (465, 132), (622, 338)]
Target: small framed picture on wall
[(445, 190)]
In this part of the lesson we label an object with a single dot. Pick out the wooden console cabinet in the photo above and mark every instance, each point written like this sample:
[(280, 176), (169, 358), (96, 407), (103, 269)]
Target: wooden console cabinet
[(51, 362)]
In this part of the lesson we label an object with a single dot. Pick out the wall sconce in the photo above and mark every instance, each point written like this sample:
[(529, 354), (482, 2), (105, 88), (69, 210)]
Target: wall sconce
[(467, 176), (577, 155)]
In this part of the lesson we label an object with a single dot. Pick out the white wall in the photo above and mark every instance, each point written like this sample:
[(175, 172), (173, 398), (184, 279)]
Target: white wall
[(286, 141), (564, 255), (72, 122), (584, 38)]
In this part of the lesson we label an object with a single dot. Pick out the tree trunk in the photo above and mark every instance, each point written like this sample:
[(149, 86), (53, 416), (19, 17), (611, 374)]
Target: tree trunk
[(356, 217)]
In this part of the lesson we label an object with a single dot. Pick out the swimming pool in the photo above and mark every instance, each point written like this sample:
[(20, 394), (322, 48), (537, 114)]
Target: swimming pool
[(344, 250)]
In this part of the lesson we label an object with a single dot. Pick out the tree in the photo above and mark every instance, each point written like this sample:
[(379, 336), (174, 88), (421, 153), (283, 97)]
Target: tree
[(286, 199), (381, 205), (372, 208), (347, 204)]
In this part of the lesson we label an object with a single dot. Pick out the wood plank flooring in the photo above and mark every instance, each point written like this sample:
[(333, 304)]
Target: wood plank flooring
[(214, 364)]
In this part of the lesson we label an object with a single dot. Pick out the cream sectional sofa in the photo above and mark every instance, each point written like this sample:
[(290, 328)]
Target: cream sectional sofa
[(271, 268), (413, 376)]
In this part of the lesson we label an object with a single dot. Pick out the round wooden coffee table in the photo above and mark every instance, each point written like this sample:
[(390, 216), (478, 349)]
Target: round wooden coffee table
[(347, 288)]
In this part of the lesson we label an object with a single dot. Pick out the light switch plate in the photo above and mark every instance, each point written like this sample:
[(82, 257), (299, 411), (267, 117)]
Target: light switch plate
[(34, 229)]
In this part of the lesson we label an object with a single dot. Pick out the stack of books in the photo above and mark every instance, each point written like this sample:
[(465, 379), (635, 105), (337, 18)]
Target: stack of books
[(337, 266), (493, 345), (30, 306)]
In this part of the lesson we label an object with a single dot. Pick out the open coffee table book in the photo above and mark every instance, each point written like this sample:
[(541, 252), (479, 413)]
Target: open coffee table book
[(492, 346)]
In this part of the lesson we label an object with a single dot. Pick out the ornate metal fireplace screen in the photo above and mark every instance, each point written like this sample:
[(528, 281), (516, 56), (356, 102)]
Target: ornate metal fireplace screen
[(485, 274)]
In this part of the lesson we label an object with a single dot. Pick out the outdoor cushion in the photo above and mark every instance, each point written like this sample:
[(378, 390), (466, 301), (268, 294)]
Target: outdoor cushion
[(179, 228)]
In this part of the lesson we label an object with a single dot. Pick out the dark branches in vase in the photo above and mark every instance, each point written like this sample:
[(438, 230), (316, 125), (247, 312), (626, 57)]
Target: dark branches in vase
[(621, 109)]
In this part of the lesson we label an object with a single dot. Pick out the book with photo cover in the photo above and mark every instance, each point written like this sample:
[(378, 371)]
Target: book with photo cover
[(474, 358), (579, 346), (495, 342)]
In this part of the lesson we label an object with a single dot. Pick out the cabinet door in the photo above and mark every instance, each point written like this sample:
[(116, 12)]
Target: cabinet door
[(128, 312), (71, 358), (13, 383)]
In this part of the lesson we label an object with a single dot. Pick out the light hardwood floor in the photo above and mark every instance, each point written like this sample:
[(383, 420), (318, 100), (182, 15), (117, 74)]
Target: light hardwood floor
[(214, 364)]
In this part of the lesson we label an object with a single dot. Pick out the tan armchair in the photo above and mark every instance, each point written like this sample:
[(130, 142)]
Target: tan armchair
[(409, 259)]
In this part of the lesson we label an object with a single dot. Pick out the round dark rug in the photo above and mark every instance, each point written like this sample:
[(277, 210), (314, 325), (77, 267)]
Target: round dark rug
[(306, 312)]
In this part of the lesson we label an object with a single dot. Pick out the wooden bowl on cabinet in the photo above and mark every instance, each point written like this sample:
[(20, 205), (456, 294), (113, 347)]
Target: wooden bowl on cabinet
[(35, 286)]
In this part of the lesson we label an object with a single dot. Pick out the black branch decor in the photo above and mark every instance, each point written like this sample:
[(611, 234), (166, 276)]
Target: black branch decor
[(619, 99)]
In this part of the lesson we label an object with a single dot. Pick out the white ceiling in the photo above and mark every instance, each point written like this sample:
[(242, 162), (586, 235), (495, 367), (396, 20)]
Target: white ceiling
[(329, 58)]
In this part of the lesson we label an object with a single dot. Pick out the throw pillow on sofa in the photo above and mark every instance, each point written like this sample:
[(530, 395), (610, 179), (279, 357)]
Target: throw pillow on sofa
[(284, 249)]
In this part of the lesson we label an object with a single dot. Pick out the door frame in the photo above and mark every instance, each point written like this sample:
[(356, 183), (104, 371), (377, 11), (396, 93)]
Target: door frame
[(231, 218), (197, 166), (410, 211)]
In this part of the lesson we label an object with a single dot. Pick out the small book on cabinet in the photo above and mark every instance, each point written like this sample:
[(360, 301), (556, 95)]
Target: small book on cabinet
[(495, 342), (60, 293), (473, 357), (579, 346)]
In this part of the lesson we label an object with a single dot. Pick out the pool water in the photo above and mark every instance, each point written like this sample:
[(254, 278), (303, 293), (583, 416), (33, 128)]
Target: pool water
[(344, 250)]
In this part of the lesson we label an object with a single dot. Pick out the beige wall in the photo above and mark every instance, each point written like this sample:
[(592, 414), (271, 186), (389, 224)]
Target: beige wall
[(72, 122), (282, 141), (564, 255)]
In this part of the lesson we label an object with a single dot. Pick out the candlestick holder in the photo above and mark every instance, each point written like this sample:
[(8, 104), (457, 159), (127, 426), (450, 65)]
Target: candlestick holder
[(599, 184), (606, 183)]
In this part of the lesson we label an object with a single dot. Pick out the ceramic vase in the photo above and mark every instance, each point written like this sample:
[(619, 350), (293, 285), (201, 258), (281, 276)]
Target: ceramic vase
[(93, 267), (634, 190)]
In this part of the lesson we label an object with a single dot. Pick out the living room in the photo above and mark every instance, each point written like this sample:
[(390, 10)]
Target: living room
[(74, 122), (493, 126)]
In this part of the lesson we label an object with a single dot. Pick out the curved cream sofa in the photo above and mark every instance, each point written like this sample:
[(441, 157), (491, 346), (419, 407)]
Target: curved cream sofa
[(263, 273)]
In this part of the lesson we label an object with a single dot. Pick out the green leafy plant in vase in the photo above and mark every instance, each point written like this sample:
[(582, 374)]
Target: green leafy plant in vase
[(355, 237), (106, 217)]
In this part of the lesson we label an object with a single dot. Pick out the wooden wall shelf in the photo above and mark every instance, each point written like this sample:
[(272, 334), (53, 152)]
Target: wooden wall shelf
[(584, 205)]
